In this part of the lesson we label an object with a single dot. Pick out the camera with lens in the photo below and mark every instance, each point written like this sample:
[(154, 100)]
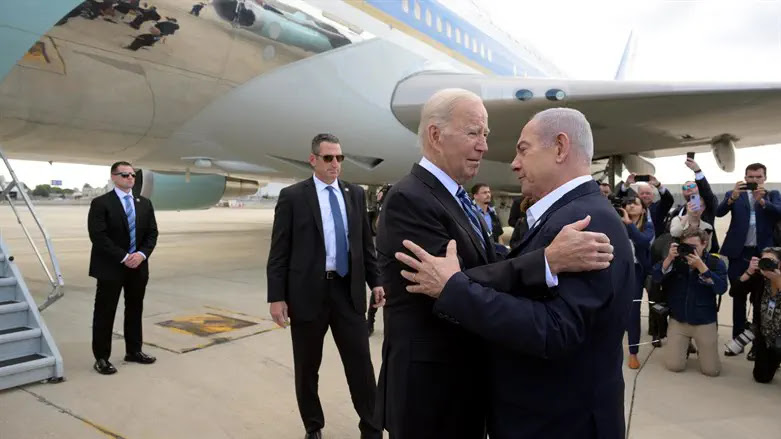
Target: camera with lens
[(737, 344), (684, 250), (767, 264), (619, 203)]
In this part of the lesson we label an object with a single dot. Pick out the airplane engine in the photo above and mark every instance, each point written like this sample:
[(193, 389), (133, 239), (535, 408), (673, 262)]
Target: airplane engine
[(724, 151), (178, 191), (638, 165)]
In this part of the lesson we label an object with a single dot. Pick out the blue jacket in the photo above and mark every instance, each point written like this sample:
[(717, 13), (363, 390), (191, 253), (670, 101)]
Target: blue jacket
[(642, 242), (738, 226), (691, 299)]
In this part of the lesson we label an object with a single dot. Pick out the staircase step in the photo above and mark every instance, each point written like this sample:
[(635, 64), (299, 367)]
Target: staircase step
[(26, 369), (9, 306), (14, 330), (7, 281), (19, 360)]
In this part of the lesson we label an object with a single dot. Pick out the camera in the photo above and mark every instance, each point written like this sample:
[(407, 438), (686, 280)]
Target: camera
[(684, 250), (767, 264), (737, 344), (645, 178), (660, 309), (619, 203), (750, 186)]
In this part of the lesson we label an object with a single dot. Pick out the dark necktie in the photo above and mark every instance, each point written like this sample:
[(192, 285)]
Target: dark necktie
[(471, 213), (131, 222), (342, 264)]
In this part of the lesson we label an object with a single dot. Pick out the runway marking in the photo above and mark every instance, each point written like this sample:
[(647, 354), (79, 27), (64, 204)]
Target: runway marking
[(100, 428), (205, 325), (222, 340)]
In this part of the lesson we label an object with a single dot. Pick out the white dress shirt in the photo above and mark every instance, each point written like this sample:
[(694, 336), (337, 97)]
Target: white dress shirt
[(538, 209), (452, 187), (329, 229), (122, 194)]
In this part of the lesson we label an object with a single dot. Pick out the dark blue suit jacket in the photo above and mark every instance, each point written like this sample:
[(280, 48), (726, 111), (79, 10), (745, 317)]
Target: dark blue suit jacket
[(556, 354), (738, 226)]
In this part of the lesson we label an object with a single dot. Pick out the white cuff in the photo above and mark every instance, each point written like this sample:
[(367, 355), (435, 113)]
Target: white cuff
[(699, 176), (550, 279), (124, 259), (667, 270), (662, 189)]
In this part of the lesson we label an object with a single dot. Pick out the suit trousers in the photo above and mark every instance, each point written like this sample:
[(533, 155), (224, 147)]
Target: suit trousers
[(348, 328), (106, 300), (737, 266)]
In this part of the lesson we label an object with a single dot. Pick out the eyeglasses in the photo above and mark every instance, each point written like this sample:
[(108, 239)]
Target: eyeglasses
[(328, 158), (689, 186), (125, 174)]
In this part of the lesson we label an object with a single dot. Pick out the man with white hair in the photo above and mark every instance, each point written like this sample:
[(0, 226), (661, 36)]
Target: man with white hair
[(555, 352), (433, 382)]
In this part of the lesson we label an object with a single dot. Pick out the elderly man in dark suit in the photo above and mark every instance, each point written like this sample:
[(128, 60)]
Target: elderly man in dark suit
[(433, 381), (123, 232), (321, 258), (556, 351)]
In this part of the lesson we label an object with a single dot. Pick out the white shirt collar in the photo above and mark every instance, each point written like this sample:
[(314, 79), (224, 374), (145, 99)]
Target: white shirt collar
[(443, 178), (538, 209), (321, 185), (121, 194)]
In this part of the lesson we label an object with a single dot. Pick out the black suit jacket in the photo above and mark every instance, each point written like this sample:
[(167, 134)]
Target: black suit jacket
[(556, 354), (432, 381), (110, 235), (296, 261)]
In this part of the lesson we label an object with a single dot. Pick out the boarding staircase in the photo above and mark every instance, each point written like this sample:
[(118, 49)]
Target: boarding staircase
[(27, 350)]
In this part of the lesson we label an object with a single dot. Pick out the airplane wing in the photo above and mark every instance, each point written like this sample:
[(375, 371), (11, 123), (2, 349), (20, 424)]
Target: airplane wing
[(650, 119)]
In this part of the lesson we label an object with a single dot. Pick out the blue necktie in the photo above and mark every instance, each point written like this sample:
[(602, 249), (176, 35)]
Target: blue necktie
[(131, 222), (342, 265), (471, 213)]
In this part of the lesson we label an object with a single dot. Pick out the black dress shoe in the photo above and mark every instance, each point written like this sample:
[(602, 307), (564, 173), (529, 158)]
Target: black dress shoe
[(314, 435), (104, 367), (140, 357)]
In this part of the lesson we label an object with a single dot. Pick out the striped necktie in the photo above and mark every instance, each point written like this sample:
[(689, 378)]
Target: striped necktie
[(471, 213), (131, 222)]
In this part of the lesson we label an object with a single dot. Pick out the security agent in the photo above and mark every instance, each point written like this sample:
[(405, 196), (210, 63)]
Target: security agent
[(123, 232), (692, 279)]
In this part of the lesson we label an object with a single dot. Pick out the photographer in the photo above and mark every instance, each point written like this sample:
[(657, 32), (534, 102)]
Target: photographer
[(762, 281), (692, 220), (692, 279), (641, 233), (754, 211), (656, 210)]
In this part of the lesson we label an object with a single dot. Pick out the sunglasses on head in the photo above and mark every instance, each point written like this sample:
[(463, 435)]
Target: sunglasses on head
[(328, 158), (125, 174), (689, 186)]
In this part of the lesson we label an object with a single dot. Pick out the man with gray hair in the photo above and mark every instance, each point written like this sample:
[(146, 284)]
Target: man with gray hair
[(555, 348), (434, 378)]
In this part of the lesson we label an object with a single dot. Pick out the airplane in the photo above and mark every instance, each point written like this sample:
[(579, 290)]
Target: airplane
[(212, 99)]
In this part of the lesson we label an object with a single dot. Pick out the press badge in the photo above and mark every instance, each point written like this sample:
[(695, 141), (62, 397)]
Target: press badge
[(771, 307), (752, 220)]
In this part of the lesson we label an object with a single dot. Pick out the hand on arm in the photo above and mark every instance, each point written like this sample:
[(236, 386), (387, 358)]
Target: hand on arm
[(576, 250)]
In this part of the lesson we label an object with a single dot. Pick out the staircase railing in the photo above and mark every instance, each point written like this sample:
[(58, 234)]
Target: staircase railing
[(55, 280)]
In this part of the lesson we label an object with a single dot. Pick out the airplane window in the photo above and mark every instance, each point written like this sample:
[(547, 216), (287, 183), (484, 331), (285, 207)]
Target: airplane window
[(428, 17), (439, 24), (405, 6), (482, 50), (417, 10), (474, 46), (458, 35), (490, 55), (449, 29), (466, 40)]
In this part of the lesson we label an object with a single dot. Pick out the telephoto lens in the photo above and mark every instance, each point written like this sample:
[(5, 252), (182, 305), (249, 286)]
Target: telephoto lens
[(737, 344)]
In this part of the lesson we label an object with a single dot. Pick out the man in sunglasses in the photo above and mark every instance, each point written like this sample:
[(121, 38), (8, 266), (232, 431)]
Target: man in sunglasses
[(321, 259), (754, 212), (123, 232), (699, 186)]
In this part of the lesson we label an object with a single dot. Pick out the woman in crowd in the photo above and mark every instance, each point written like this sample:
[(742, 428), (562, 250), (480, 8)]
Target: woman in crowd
[(641, 233), (764, 284)]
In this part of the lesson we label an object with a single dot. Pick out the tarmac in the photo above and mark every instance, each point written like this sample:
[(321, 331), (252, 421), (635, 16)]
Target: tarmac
[(225, 371)]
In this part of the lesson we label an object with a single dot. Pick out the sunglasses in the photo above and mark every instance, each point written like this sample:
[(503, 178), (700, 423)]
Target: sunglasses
[(689, 186), (328, 158), (125, 174)]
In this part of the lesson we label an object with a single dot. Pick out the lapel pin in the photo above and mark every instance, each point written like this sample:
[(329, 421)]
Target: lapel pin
[(138, 200), (347, 189)]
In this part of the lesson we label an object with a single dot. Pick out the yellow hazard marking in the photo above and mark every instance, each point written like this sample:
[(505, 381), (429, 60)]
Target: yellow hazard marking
[(205, 325)]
